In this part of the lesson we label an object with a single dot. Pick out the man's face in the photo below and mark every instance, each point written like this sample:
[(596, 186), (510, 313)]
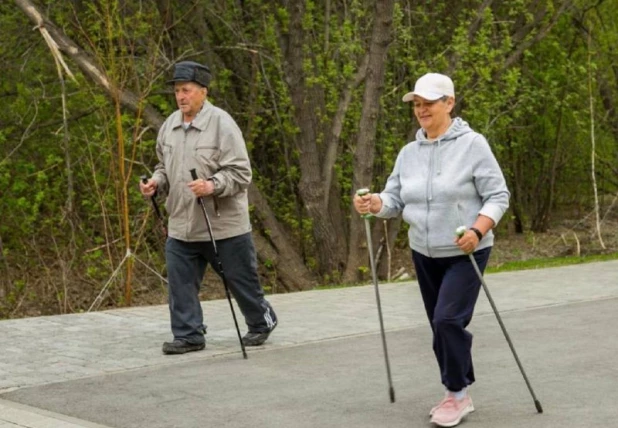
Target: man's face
[(189, 96)]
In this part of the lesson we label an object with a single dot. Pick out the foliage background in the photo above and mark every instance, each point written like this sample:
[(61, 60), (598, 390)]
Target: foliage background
[(536, 77)]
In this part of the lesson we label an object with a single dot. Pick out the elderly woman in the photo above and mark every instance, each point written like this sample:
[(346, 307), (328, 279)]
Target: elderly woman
[(446, 178)]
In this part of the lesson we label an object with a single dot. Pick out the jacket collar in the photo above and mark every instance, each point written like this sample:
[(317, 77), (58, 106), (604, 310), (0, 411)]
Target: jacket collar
[(199, 122)]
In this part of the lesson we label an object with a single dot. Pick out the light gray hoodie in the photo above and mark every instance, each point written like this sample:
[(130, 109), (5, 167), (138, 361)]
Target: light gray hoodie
[(440, 185)]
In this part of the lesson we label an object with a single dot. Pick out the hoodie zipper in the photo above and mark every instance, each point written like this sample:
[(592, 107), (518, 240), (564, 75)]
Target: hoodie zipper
[(429, 191)]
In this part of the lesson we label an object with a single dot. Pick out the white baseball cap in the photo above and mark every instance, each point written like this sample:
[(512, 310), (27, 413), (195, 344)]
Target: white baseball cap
[(432, 87)]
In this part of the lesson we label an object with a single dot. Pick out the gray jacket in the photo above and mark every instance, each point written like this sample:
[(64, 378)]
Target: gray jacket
[(441, 185), (213, 145)]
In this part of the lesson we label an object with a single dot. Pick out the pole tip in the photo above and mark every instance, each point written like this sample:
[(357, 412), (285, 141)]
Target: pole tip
[(537, 404), (391, 393)]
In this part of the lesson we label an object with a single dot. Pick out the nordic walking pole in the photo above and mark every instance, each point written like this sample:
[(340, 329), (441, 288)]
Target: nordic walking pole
[(460, 231), (391, 390), (156, 208), (220, 267)]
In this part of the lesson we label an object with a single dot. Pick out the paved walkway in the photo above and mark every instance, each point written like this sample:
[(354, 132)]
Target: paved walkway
[(78, 370)]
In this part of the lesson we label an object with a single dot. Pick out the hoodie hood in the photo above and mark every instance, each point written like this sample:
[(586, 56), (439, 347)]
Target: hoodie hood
[(458, 128)]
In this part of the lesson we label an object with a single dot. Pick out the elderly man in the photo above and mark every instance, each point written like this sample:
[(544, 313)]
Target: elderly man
[(203, 137)]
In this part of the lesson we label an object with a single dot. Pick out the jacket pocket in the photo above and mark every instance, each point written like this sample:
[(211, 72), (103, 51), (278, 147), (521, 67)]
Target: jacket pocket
[(207, 159), (442, 222), (168, 154)]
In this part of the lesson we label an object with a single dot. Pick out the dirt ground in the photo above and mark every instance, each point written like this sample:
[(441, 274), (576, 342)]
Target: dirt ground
[(569, 238)]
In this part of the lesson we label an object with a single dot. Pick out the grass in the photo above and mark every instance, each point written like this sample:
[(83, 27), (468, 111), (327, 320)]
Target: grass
[(550, 262), (539, 263)]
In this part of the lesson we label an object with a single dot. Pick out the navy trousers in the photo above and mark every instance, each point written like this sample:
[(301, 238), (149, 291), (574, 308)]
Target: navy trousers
[(186, 265), (450, 289)]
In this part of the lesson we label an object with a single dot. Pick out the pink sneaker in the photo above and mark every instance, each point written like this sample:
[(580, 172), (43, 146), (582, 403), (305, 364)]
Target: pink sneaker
[(452, 411), (437, 406)]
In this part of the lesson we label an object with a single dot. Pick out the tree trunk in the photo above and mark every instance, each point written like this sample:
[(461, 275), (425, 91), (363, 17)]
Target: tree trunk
[(364, 154), (277, 249), (329, 240)]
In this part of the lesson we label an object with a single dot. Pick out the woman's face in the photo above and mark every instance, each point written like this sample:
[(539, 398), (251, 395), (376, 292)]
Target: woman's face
[(433, 116)]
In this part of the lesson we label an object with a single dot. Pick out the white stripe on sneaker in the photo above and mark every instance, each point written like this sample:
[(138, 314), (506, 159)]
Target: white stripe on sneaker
[(270, 322)]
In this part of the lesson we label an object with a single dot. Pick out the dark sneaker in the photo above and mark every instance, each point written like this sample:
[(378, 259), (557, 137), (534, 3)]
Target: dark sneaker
[(257, 339), (179, 346)]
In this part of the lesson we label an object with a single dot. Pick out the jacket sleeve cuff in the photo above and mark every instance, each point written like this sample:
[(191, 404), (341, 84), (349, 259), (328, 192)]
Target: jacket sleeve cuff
[(162, 186), (218, 186), (494, 212), (387, 209)]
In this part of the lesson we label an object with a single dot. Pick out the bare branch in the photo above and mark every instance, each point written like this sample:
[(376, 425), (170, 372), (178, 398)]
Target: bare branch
[(333, 142), (88, 66), (593, 148), (24, 136), (540, 34), (472, 30)]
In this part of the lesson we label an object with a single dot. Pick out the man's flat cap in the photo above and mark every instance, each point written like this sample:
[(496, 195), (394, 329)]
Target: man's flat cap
[(189, 71)]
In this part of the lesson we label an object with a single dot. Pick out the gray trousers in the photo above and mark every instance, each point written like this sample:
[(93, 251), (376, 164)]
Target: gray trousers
[(186, 265)]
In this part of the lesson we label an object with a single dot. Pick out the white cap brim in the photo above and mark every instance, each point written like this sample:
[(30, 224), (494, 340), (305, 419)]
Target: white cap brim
[(429, 96)]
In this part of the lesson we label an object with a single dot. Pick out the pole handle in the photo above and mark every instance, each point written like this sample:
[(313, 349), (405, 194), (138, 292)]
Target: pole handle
[(155, 206), (144, 179), (199, 198), (362, 192)]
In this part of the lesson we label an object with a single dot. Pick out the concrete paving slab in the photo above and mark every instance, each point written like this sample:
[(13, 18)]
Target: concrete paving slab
[(342, 383), (90, 366), (15, 415)]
